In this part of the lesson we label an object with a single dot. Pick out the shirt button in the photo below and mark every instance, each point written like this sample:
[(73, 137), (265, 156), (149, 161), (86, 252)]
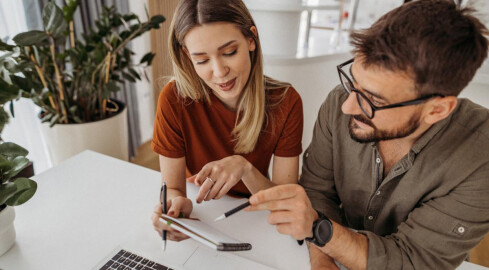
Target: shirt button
[(377, 193), (371, 217), (307, 154), (461, 229), (377, 160)]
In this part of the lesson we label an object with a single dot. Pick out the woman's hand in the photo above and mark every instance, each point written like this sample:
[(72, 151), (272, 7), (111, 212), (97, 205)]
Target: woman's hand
[(218, 177), (176, 206)]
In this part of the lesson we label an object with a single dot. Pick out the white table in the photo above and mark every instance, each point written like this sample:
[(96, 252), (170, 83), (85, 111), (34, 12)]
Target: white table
[(90, 204)]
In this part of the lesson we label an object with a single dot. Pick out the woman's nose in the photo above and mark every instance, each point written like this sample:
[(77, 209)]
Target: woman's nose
[(220, 69)]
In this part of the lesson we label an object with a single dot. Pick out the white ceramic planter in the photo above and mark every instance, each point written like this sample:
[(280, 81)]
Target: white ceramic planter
[(7, 230), (108, 136), (278, 24)]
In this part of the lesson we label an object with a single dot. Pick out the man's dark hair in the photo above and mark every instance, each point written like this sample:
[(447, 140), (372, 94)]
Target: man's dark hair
[(438, 44)]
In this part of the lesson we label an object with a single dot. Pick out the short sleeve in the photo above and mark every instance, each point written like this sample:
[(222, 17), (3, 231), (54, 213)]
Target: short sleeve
[(290, 141), (168, 137)]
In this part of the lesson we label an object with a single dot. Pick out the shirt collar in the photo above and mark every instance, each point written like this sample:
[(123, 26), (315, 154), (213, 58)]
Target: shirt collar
[(426, 137), (429, 134)]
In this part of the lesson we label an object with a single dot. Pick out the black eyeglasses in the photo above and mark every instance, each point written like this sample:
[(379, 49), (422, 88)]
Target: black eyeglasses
[(368, 108)]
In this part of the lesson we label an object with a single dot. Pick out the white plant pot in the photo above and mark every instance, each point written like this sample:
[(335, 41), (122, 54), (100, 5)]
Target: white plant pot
[(7, 230), (108, 136), (278, 23)]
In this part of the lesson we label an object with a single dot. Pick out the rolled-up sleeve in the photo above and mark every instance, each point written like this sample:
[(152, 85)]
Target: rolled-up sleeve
[(437, 234), (317, 176)]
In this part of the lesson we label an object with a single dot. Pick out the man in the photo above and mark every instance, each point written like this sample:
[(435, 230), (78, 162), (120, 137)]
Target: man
[(397, 173)]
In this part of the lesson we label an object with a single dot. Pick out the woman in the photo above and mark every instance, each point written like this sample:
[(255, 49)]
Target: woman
[(221, 119)]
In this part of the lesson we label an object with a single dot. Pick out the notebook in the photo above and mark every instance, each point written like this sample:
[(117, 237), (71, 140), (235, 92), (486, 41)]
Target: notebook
[(205, 234)]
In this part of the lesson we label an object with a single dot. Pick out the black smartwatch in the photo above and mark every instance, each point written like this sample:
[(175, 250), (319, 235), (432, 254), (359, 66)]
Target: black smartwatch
[(322, 231)]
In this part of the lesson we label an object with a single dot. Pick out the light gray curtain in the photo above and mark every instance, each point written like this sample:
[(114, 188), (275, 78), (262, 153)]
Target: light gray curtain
[(84, 18)]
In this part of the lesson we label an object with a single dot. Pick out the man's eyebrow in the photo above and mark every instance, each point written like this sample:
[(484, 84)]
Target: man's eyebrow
[(220, 48), (366, 90)]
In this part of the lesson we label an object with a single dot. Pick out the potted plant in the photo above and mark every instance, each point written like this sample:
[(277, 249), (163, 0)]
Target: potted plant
[(71, 79), (13, 190)]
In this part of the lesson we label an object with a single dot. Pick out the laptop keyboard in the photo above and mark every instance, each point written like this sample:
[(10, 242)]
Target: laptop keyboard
[(125, 260)]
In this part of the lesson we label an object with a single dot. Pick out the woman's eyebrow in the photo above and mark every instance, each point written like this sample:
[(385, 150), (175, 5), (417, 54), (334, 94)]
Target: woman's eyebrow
[(219, 48)]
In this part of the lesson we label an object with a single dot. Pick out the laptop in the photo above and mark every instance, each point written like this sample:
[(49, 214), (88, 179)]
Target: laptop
[(195, 256)]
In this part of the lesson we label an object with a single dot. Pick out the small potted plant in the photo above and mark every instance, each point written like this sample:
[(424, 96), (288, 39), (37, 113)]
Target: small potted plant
[(71, 79), (13, 190)]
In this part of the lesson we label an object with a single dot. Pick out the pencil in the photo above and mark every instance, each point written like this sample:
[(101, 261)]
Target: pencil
[(163, 208), (232, 211)]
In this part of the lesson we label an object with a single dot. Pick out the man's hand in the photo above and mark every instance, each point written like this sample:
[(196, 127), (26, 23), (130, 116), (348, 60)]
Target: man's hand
[(291, 210)]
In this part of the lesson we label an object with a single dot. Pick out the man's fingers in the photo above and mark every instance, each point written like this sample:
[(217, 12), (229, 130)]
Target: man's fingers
[(278, 205), (277, 217), (288, 229), (279, 192)]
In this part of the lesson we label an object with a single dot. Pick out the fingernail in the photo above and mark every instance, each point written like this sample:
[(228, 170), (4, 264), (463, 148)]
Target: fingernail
[(253, 200), (171, 213)]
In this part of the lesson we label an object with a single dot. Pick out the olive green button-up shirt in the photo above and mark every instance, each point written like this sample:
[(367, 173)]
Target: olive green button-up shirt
[(428, 211)]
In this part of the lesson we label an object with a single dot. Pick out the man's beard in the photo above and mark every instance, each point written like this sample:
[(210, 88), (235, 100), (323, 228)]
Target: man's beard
[(377, 135)]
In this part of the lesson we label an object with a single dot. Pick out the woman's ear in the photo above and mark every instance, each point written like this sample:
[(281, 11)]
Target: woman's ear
[(440, 108), (251, 41)]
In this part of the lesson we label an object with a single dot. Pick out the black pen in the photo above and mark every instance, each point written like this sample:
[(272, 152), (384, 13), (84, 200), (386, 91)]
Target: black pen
[(163, 208), (234, 210)]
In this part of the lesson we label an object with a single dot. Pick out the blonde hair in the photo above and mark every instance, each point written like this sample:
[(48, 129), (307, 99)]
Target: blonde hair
[(252, 104)]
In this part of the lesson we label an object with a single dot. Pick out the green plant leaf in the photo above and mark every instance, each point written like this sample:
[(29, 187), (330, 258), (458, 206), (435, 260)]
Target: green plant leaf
[(11, 107), (70, 9), (128, 77), (19, 164), (157, 19), (46, 117), (12, 150), (5, 47), (53, 19), (134, 73), (148, 58), (53, 120), (8, 92), (7, 190), (5, 165), (25, 190), (34, 37), (22, 83), (3, 118)]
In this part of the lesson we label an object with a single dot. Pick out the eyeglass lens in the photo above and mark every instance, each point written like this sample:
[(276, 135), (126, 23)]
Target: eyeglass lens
[(362, 101)]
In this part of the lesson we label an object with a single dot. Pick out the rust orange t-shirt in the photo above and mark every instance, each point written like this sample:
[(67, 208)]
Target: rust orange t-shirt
[(201, 131)]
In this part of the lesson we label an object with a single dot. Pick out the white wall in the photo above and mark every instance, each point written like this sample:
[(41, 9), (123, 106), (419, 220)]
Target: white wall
[(144, 89)]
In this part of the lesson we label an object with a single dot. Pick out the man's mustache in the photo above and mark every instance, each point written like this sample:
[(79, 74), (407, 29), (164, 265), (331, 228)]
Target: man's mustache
[(363, 119)]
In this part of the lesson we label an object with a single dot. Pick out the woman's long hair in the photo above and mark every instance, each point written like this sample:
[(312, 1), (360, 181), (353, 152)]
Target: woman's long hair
[(252, 104)]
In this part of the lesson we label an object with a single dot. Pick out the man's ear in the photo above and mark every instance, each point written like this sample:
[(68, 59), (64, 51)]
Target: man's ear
[(251, 42), (439, 109)]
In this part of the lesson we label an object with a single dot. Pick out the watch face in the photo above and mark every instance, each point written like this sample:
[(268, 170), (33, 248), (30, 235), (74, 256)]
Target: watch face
[(324, 231)]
